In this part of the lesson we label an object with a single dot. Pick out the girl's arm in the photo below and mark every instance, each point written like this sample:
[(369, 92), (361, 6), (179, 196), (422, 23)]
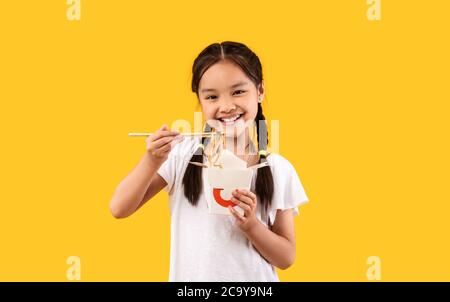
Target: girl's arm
[(276, 245), (143, 182), (136, 188)]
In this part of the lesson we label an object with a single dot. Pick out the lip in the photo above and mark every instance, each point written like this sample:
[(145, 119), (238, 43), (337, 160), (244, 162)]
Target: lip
[(230, 120)]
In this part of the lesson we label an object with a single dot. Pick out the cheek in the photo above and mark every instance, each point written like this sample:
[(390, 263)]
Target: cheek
[(208, 110), (251, 108)]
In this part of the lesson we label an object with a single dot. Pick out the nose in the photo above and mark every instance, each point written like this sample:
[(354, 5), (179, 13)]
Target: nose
[(227, 106)]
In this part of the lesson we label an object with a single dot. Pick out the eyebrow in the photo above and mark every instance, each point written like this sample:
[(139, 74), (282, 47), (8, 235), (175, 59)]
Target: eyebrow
[(232, 86)]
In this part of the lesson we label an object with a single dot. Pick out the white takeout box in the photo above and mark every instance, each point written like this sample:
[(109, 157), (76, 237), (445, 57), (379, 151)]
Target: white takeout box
[(221, 182)]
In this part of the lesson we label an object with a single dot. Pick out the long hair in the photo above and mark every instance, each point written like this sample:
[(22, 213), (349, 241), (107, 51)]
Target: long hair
[(249, 62)]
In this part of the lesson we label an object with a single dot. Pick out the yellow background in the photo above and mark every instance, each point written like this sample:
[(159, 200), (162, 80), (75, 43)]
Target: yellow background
[(363, 109)]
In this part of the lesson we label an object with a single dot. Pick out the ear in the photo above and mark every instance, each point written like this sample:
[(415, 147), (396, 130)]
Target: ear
[(261, 92)]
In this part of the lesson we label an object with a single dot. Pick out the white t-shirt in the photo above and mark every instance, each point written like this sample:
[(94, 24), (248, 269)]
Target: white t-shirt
[(210, 247)]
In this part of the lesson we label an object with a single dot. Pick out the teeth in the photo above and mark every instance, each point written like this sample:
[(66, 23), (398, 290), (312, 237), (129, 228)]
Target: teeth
[(232, 119)]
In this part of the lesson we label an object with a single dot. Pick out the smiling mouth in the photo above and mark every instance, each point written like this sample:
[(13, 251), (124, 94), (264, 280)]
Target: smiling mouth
[(230, 120)]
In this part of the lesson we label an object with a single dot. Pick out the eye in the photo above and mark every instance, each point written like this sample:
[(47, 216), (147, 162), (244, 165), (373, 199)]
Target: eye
[(239, 92), (210, 97)]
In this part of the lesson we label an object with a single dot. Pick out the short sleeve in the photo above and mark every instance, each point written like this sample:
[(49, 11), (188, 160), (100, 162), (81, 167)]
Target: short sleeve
[(168, 171), (177, 160), (288, 189)]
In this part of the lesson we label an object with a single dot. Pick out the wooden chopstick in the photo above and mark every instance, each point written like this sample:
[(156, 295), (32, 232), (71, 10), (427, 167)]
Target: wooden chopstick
[(202, 134)]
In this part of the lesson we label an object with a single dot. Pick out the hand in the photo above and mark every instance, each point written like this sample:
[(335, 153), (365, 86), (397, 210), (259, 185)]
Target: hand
[(161, 142), (247, 201)]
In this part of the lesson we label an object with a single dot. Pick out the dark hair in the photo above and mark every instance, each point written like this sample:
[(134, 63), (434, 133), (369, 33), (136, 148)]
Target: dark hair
[(249, 62)]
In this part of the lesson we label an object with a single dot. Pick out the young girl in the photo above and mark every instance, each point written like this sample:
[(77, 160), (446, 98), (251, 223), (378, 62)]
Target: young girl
[(228, 81)]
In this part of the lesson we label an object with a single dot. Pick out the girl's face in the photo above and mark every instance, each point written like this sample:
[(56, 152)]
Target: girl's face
[(229, 99)]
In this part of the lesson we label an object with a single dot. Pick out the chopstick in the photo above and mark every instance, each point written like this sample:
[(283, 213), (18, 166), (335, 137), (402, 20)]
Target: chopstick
[(199, 164), (254, 167), (202, 134)]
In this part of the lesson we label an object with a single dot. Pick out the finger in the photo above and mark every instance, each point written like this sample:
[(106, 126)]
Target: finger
[(158, 133), (242, 205), (161, 132), (247, 193), (162, 142), (153, 146), (236, 214), (244, 198), (165, 129), (159, 151), (163, 150), (170, 132)]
